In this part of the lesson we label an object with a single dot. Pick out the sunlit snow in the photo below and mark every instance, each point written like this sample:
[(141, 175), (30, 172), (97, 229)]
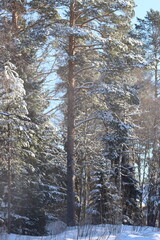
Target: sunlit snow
[(99, 232)]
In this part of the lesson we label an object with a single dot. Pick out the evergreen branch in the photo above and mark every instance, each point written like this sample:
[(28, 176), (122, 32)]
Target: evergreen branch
[(96, 18), (84, 86), (24, 118), (92, 45), (83, 69), (93, 29), (84, 121)]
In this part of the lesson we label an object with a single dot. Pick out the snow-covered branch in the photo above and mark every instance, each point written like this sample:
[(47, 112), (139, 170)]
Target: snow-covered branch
[(86, 85), (98, 17), (24, 118), (84, 121), (83, 69)]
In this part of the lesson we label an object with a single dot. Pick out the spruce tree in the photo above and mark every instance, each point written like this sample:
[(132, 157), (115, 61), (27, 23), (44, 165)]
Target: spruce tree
[(34, 187)]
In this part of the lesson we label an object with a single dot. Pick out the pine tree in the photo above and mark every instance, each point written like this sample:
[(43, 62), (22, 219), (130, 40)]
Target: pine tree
[(87, 41)]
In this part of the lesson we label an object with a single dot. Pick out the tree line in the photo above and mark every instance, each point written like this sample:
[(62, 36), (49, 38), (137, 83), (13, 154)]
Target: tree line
[(93, 157)]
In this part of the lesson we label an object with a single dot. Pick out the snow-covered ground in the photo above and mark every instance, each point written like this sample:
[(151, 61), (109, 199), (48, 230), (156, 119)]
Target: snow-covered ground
[(100, 232)]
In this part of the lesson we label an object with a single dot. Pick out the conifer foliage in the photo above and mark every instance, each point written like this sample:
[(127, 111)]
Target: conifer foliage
[(94, 37), (148, 30), (29, 142), (84, 169)]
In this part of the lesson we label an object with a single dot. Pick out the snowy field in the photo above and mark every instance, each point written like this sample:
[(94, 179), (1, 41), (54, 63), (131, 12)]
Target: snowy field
[(100, 232)]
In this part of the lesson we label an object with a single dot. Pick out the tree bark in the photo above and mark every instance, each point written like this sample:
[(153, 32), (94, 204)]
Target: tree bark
[(9, 181), (156, 80), (70, 126)]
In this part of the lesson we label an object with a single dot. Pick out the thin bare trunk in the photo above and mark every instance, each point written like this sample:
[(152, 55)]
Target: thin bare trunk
[(156, 80), (9, 181), (70, 127)]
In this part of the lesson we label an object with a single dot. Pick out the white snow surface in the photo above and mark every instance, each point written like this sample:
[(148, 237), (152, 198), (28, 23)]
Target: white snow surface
[(98, 232)]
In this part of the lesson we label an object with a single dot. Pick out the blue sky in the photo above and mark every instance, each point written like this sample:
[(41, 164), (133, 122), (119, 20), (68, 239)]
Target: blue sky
[(146, 5)]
